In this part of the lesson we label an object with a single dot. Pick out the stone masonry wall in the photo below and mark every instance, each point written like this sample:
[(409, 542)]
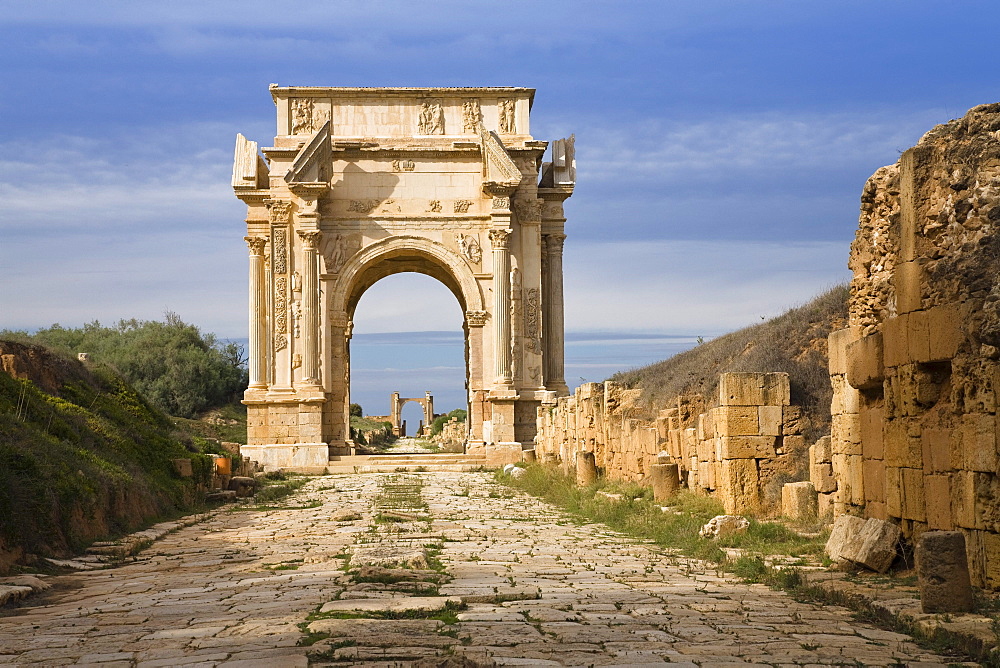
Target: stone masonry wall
[(914, 437), (739, 451)]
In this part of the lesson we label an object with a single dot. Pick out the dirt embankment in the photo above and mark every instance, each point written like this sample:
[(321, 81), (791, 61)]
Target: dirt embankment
[(82, 456)]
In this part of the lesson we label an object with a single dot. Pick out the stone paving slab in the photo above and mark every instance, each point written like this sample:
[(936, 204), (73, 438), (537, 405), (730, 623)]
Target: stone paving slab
[(538, 589)]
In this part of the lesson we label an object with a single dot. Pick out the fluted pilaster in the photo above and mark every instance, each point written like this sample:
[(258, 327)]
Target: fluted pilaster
[(500, 241), (554, 314), (310, 306), (257, 359)]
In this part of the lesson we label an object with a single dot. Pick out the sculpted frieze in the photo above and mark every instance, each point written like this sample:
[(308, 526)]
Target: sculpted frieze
[(306, 118), (336, 252), (531, 320), (403, 165), (431, 120), (528, 210), (434, 206), (507, 123), (472, 116), (468, 245), (279, 250), (461, 206), (363, 205)]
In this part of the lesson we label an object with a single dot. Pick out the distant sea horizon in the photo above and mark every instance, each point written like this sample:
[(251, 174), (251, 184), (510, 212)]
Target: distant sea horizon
[(414, 362)]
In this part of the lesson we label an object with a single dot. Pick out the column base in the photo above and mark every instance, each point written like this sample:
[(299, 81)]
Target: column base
[(289, 456)]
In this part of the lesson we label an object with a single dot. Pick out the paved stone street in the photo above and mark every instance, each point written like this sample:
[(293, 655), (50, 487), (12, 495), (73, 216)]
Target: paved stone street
[(537, 590)]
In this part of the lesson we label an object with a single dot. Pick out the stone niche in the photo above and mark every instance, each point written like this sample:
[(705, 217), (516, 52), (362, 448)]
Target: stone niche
[(363, 183), (914, 437)]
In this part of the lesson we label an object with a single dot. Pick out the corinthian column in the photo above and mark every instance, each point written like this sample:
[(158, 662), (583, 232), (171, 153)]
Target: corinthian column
[(555, 339), (258, 324), (310, 306), (500, 240)]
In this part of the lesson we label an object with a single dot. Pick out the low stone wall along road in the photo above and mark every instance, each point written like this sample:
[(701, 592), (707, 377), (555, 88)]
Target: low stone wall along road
[(424, 569)]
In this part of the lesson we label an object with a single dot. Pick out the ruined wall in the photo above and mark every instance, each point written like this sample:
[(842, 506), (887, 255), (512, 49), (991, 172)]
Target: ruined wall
[(739, 451), (914, 427)]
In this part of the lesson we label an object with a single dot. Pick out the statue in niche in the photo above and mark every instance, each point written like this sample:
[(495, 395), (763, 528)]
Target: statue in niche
[(472, 116), (508, 125), (468, 245), (431, 119)]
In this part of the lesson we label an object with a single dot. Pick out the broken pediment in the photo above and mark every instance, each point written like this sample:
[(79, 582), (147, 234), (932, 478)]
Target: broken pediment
[(498, 167), (312, 163), (249, 167)]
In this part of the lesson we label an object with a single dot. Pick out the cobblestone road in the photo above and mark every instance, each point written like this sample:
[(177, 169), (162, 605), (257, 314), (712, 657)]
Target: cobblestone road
[(233, 591)]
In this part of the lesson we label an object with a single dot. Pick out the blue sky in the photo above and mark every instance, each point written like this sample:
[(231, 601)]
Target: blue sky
[(721, 149)]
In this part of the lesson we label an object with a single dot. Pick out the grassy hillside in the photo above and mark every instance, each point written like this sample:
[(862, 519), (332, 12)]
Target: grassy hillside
[(794, 342), (82, 456)]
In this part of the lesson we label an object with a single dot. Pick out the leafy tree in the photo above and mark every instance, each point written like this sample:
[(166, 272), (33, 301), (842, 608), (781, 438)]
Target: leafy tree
[(178, 368), (356, 410)]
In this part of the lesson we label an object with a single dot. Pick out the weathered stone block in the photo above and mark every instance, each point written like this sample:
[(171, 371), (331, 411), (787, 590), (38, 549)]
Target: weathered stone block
[(845, 529), (914, 507), (963, 498), (821, 476), (865, 369), (792, 420), (894, 491), (874, 480), (739, 487), (183, 467), (871, 422), (586, 468), (741, 389), (837, 343), (894, 346), (744, 447), (846, 399), (901, 448), (821, 450), (824, 505), (798, 500), (877, 510), (736, 421), (918, 340), (944, 326), (943, 572), (665, 480), (979, 442), (769, 420), (991, 558), (845, 433), (937, 493), (936, 446), (777, 389), (907, 281)]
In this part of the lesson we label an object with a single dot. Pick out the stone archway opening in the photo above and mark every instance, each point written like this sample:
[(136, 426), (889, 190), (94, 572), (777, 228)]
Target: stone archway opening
[(408, 336), (364, 183)]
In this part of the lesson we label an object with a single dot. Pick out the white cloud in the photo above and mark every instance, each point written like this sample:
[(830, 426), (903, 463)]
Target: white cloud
[(694, 287)]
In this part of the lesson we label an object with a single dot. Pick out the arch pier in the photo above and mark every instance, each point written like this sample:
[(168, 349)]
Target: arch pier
[(363, 183)]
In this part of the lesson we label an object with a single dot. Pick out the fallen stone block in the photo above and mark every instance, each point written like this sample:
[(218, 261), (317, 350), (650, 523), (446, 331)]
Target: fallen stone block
[(870, 543), (611, 496), (586, 468), (221, 496), (845, 529), (36, 584), (798, 500), (666, 481), (242, 485), (183, 467), (943, 572), (721, 526), (409, 604)]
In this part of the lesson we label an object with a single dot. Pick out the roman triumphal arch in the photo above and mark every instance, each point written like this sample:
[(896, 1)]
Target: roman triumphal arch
[(363, 183)]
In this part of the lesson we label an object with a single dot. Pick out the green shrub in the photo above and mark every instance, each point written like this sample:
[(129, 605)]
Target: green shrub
[(440, 421), (175, 366)]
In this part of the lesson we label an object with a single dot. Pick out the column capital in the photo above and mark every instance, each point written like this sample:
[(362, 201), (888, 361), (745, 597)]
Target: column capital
[(500, 239), (256, 244), (554, 242), (476, 318), (310, 238), (278, 211)]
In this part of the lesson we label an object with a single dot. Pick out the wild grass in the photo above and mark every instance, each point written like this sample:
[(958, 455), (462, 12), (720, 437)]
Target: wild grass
[(639, 516)]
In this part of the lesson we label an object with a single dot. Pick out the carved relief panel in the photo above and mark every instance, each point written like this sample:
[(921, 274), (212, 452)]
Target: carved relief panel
[(431, 120)]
